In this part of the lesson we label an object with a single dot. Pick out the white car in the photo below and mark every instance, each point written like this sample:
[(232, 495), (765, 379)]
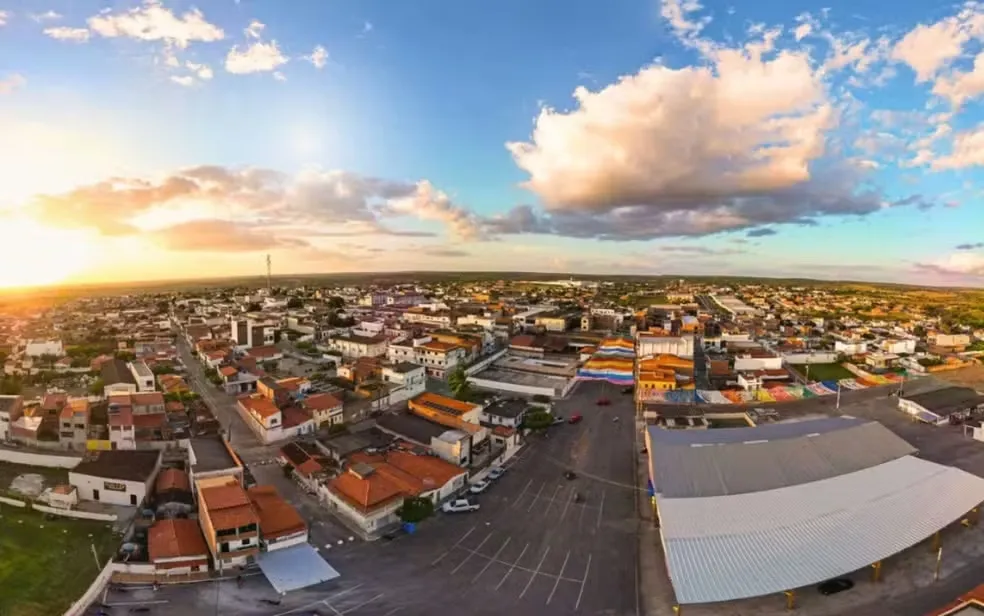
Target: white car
[(460, 505), (479, 486), (495, 472)]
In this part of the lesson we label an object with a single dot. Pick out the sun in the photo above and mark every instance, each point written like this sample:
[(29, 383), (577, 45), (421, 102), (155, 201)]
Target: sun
[(36, 255)]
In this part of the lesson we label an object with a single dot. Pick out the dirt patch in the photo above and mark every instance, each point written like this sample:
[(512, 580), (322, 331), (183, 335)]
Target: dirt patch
[(971, 376), (28, 484)]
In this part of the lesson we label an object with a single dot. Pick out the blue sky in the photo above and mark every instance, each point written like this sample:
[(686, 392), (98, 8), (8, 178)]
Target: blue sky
[(775, 138)]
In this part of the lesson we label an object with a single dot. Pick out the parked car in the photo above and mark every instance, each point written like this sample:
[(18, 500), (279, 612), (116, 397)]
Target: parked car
[(557, 421), (461, 505), (495, 472), (832, 587), (575, 418), (628, 390), (570, 475), (479, 486), (604, 401)]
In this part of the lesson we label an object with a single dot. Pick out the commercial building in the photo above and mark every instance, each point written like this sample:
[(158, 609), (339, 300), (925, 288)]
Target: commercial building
[(116, 477), (117, 378), (228, 522), (937, 407), (247, 333)]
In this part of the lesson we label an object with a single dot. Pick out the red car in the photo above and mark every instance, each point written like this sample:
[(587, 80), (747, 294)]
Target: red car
[(604, 401), (575, 418)]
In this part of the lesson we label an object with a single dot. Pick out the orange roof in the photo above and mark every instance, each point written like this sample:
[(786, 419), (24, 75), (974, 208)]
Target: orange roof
[(263, 407), (443, 404), (321, 402), (213, 355), (75, 405), (146, 398), (974, 597), (367, 494), (227, 506), (397, 473), (436, 345), (293, 383), (172, 479), (53, 402), (263, 351), (277, 517), (152, 420), (228, 370), (179, 538)]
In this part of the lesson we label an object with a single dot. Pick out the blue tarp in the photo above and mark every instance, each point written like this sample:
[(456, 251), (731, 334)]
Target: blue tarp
[(296, 567)]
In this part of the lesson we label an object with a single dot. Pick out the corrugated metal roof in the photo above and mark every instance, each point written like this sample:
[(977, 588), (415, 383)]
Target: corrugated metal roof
[(769, 432), (683, 471), (731, 547)]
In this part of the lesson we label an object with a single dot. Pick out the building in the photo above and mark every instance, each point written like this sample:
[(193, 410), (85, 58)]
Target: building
[(509, 413), (11, 409), (247, 333), (859, 347), (650, 343), (406, 379), (212, 456), (746, 512), (116, 477), (905, 346), (271, 423), (373, 487), (453, 446), (325, 409), (37, 348), (73, 423), (142, 375), (939, 406), (438, 358), (423, 316), (228, 522), (444, 410), (117, 378), (968, 604), (354, 346), (280, 524), (176, 547)]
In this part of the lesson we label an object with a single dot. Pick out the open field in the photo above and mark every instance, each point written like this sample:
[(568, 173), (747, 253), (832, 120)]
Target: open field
[(825, 372), (972, 376), (45, 565), (9, 472)]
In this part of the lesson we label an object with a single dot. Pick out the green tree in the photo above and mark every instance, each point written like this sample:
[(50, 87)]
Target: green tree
[(336, 303), (537, 420), (288, 471), (96, 388), (270, 366), (253, 307), (458, 382), (10, 386), (295, 302), (415, 510), (125, 355)]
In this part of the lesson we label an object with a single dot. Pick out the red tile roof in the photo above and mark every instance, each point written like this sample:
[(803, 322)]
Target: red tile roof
[(228, 371), (259, 405), (277, 517), (178, 538), (263, 352), (152, 420), (321, 402), (172, 479)]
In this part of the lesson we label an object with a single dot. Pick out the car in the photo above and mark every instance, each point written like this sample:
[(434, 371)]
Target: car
[(570, 475), (461, 505), (604, 401), (628, 390), (479, 486), (832, 587), (495, 472), (557, 421), (575, 418)]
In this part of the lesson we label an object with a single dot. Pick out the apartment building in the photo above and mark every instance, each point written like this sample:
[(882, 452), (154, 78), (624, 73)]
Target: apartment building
[(73, 423), (228, 522), (247, 333), (11, 409), (355, 346), (438, 358)]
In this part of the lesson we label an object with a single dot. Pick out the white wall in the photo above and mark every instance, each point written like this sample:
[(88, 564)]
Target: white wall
[(86, 484), (758, 363), (851, 348), (285, 542), (38, 459), (816, 357), (513, 387), (482, 365)]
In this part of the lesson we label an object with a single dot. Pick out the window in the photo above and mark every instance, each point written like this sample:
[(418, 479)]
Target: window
[(245, 542)]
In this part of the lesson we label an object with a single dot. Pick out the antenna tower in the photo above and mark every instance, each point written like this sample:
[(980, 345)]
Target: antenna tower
[(269, 283)]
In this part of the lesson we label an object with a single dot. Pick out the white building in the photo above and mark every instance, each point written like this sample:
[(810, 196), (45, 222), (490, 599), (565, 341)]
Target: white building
[(652, 344), (439, 318), (355, 346), (437, 358), (851, 347), (143, 376), (408, 379), (11, 409), (116, 477), (898, 346), (37, 348), (247, 333)]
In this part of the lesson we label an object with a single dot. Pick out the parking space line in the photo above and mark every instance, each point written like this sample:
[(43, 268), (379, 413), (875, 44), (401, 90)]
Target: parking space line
[(494, 558), (559, 575), (535, 572), (538, 492), (568, 504), (523, 493), (526, 569), (320, 601), (601, 509), (363, 604), (552, 499), (471, 553), (512, 566), (587, 567), (451, 549)]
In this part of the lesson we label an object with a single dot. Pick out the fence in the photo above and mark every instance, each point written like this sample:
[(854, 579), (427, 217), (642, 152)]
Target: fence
[(28, 458), (13, 502), (485, 363), (75, 513), (82, 603)]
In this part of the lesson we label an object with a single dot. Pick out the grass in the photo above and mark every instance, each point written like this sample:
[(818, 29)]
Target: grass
[(8, 472), (44, 570), (825, 372)]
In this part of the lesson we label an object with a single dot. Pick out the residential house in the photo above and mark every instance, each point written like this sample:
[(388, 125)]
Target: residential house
[(73, 428), (307, 460), (423, 316), (227, 519), (265, 353), (173, 384), (354, 346), (142, 375), (270, 423), (11, 409), (176, 547), (247, 333), (172, 493), (325, 409), (37, 348), (280, 524), (117, 378), (407, 380), (509, 413), (897, 346), (116, 477), (237, 380)]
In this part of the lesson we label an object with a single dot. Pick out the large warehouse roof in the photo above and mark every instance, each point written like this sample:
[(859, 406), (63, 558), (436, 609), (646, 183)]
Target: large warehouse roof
[(767, 432), (731, 547), (803, 452)]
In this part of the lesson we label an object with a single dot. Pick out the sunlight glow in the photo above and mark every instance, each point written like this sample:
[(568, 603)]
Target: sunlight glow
[(37, 255)]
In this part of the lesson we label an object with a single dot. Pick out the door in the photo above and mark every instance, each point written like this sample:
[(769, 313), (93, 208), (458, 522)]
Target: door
[(95, 494), (133, 499)]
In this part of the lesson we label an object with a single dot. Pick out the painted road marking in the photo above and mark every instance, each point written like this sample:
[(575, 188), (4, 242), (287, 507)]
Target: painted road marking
[(600, 510), (512, 566), (441, 557), (583, 580), (553, 497), (470, 554), (535, 572), (559, 575), (568, 504), (494, 558), (523, 493), (533, 504), (319, 601), (361, 605)]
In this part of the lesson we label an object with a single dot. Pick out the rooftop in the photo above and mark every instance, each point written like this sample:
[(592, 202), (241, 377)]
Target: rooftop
[(507, 408), (277, 517), (7, 403), (116, 371), (172, 479), (404, 367), (212, 454), (411, 427), (120, 464), (947, 400), (141, 369), (260, 405), (174, 539), (443, 404)]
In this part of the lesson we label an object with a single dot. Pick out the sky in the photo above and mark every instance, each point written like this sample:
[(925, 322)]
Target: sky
[(146, 139)]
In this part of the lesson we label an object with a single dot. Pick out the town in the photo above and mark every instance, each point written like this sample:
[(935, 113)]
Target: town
[(533, 445)]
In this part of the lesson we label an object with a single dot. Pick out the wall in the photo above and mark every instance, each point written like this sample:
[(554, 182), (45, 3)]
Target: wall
[(38, 459), (13, 502), (513, 387), (816, 357), (75, 513), (82, 604), (87, 483), (482, 365)]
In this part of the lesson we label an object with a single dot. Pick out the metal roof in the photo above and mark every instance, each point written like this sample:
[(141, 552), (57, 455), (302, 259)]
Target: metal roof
[(723, 548), (697, 470), (295, 567), (766, 432)]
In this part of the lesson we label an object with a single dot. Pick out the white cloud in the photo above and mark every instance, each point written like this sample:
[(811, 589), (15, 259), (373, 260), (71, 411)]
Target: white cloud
[(46, 16), (677, 14), (930, 48), (255, 29), (279, 76), (962, 264), (153, 22), (255, 58), (967, 151), (63, 33), (802, 31), (4, 16), (202, 71), (183, 80), (318, 57), (961, 86), (11, 82)]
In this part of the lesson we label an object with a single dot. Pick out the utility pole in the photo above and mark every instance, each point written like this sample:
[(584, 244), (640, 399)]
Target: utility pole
[(838, 394), (269, 283)]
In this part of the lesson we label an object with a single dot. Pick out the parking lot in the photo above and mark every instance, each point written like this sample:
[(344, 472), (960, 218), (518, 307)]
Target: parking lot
[(531, 549)]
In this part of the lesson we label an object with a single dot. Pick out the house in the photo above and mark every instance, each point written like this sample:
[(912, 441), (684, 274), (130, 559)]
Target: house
[(247, 333), (270, 423), (37, 348), (509, 413), (407, 379), (373, 487), (73, 424), (11, 409), (354, 345), (296, 386), (324, 409), (237, 380), (142, 375), (942, 405), (269, 388), (280, 524), (210, 457), (437, 358), (176, 547), (173, 384), (227, 519), (116, 477), (451, 445), (898, 346), (172, 493), (881, 361), (117, 378), (859, 347), (265, 353)]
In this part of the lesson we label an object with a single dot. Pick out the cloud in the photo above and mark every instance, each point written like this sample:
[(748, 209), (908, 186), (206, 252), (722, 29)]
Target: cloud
[(700, 250), (961, 86), (277, 75), (762, 232), (436, 251), (213, 235), (4, 17), (255, 58), (13, 81), (929, 48), (428, 203), (318, 57), (255, 29), (153, 22), (202, 71), (967, 150), (46, 16), (64, 33), (183, 80), (966, 265), (970, 246)]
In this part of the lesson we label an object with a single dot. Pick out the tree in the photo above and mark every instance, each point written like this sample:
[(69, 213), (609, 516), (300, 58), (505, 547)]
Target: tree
[(125, 355), (96, 388), (415, 510), (288, 471), (295, 302), (253, 307), (270, 366), (458, 382), (10, 386), (336, 303), (537, 420)]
